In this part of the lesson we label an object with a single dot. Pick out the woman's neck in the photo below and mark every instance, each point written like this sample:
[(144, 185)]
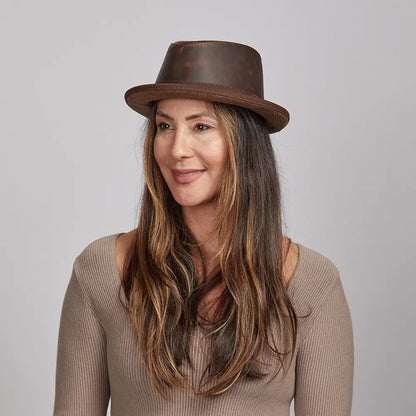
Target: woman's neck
[(201, 222)]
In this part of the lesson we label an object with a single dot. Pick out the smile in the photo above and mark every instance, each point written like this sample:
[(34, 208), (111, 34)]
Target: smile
[(185, 176)]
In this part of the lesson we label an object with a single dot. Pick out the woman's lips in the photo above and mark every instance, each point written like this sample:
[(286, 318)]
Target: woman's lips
[(183, 176)]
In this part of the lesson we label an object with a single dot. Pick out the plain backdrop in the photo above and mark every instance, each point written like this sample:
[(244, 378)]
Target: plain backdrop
[(70, 160)]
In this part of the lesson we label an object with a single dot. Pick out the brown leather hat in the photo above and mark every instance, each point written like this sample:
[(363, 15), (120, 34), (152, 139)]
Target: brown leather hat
[(225, 72)]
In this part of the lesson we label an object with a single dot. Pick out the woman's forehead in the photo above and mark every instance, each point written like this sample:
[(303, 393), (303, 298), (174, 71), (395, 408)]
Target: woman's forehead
[(184, 105)]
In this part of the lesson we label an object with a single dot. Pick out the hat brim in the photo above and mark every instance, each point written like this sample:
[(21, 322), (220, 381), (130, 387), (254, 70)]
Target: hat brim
[(139, 98)]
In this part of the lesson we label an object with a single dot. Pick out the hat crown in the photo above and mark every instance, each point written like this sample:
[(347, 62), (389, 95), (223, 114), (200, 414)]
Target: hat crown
[(227, 64)]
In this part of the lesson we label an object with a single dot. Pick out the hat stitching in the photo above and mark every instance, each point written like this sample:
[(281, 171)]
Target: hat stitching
[(199, 43)]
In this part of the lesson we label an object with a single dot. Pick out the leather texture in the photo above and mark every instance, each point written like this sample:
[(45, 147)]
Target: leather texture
[(227, 64), (215, 71)]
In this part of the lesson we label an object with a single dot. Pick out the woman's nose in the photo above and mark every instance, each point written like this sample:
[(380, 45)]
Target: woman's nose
[(182, 144)]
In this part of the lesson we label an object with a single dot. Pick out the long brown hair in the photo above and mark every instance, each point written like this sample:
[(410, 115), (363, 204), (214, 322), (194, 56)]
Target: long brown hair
[(159, 277)]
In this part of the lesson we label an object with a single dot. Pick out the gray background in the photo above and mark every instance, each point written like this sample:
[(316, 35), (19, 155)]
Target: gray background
[(71, 160)]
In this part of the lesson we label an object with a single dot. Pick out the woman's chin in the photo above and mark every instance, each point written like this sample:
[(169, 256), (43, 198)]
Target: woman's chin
[(189, 203), (195, 200)]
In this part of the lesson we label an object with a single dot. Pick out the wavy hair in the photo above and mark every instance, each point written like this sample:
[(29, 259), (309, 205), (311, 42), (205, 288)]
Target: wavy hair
[(253, 312)]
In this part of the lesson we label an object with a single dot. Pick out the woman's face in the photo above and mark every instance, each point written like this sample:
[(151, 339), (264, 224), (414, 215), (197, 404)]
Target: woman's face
[(190, 150)]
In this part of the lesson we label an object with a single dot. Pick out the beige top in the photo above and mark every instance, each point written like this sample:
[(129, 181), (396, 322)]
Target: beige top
[(98, 355)]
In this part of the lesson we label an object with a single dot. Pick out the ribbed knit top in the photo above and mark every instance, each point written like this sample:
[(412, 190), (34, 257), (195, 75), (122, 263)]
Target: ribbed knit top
[(98, 355)]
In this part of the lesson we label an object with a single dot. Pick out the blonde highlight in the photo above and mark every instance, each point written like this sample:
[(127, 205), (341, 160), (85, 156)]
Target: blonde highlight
[(160, 282)]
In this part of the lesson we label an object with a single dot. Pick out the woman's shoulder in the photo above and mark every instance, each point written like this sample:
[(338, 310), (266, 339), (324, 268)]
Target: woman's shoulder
[(291, 257), (96, 252), (317, 291), (96, 266), (315, 277), (299, 258), (315, 263), (122, 245)]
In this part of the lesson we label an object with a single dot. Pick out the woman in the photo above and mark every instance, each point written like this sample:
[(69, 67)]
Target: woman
[(205, 307)]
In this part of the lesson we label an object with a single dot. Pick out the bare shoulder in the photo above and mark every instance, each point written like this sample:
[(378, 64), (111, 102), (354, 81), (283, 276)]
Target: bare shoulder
[(291, 259), (123, 242)]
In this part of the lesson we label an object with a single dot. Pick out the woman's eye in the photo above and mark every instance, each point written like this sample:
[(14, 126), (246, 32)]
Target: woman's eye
[(201, 127), (162, 126)]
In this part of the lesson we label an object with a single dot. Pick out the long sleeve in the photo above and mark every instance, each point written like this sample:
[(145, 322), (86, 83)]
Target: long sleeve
[(325, 361), (81, 383)]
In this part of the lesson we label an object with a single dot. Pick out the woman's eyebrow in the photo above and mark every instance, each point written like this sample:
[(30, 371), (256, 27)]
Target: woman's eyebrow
[(204, 113), (160, 113)]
